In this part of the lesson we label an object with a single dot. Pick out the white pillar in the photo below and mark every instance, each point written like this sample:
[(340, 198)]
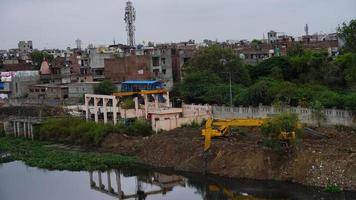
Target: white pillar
[(14, 127), (136, 106), (155, 97), (86, 107), (114, 104), (167, 99), (118, 182), (91, 179), (25, 129), (96, 109), (105, 101), (101, 186), (145, 97), (109, 182), (18, 128)]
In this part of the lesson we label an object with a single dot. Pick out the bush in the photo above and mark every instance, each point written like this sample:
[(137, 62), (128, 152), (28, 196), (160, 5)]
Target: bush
[(139, 128), (286, 122), (127, 104), (332, 188), (105, 87)]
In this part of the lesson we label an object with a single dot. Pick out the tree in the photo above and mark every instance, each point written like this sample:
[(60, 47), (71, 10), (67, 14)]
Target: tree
[(295, 50), (347, 32), (220, 61), (317, 112), (38, 56), (105, 87)]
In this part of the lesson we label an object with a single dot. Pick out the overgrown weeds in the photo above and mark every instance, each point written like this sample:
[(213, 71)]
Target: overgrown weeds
[(37, 154)]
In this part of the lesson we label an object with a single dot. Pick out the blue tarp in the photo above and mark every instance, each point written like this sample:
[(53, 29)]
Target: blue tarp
[(140, 82), (2, 85)]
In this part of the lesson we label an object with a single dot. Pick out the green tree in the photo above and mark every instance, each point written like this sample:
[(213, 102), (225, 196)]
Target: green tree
[(220, 61), (105, 87), (318, 112), (38, 56), (347, 32), (295, 50)]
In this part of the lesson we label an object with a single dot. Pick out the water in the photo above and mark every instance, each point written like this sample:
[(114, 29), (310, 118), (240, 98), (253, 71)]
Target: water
[(17, 181)]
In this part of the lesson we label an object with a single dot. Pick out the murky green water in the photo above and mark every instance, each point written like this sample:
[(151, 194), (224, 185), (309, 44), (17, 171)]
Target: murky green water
[(17, 181)]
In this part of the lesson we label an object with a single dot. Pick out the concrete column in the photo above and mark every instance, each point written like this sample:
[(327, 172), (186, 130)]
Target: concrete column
[(118, 182), (96, 109), (14, 127), (18, 128), (145, 97), (114, 104), (136, 106), (101, 186), (167, 100), (110, 189), (31, 131), (86, 107), (105, 101), (155, 97), (25, 129), (91, 181)]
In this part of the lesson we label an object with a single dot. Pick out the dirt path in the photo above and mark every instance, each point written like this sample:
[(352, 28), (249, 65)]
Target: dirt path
[(315, 162)]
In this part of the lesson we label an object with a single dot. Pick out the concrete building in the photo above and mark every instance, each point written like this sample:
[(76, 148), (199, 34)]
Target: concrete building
[(96, 61), (25, 47), (79, 89), (16, 84), (48, 91)]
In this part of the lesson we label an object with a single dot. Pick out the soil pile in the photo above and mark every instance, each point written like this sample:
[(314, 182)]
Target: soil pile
[(315, 161)]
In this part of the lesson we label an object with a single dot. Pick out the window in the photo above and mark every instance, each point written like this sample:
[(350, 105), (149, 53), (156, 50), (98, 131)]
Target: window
[(155, 61), (43, 90), (163, 60), (164, 71)]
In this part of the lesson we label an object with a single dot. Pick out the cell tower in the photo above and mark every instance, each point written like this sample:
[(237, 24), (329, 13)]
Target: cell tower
[(306, 29), (130, 18), (78, 42)]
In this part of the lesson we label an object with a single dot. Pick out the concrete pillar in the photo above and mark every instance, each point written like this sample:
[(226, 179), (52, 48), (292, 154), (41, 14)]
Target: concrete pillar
[(155, 97), (18, 128), (118, 182), (31, 131), (101, 186), (136, 106), (86, 107), (91, 181), (105, 101), (167, 100), (110, 189), (114, 104), (96, 109), (25, 129), (14, 127), (145, 97)]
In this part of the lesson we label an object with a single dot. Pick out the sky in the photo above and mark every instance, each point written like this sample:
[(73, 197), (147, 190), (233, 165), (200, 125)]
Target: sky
[(58, 23)]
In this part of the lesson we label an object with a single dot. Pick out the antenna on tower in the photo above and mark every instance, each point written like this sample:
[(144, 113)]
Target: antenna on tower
[(130, 18), (306, 29)]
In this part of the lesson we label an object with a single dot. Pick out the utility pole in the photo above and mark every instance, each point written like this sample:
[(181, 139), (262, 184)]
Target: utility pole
[(230, 90)]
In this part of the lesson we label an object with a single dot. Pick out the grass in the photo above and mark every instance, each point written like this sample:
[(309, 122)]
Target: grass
[(37, 154), (333, 188), (81, 132)]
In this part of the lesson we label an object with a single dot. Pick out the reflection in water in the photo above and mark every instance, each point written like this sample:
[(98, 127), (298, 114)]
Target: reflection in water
[(164, 182), (17, 181)]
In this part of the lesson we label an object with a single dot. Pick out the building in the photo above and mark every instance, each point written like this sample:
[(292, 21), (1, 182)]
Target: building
[(96, 61), (48, 91), (15, 84), (25, 47), (79, 89)]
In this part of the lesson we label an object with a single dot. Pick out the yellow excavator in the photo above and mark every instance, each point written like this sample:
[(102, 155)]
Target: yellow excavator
[(221, 127)]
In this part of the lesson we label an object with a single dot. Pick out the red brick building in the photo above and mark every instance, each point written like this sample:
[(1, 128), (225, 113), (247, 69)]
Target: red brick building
[(132, 67)]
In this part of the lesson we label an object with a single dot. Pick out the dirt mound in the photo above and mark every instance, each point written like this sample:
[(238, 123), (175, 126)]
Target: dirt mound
[(316, 162)]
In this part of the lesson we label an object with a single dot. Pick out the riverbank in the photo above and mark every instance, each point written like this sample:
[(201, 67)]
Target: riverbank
[(315, 162), (45, 155)]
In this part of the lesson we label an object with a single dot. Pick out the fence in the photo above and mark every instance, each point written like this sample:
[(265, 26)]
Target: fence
[(333, 116)]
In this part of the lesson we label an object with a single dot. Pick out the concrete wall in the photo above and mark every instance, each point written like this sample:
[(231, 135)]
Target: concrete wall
[(173, 123), (77, 90), (333, 116), (21, 82)]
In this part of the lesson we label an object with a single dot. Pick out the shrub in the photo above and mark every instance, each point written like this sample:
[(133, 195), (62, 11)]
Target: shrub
[(332, 188), (139, 128), (127, 104), (287, 122)]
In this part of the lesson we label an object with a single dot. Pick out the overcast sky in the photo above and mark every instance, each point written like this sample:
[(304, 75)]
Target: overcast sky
[(58, 23)]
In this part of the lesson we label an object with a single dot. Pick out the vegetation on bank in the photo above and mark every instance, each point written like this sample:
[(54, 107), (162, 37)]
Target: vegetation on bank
[(37, 154), (81, 132), (301, 78)]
